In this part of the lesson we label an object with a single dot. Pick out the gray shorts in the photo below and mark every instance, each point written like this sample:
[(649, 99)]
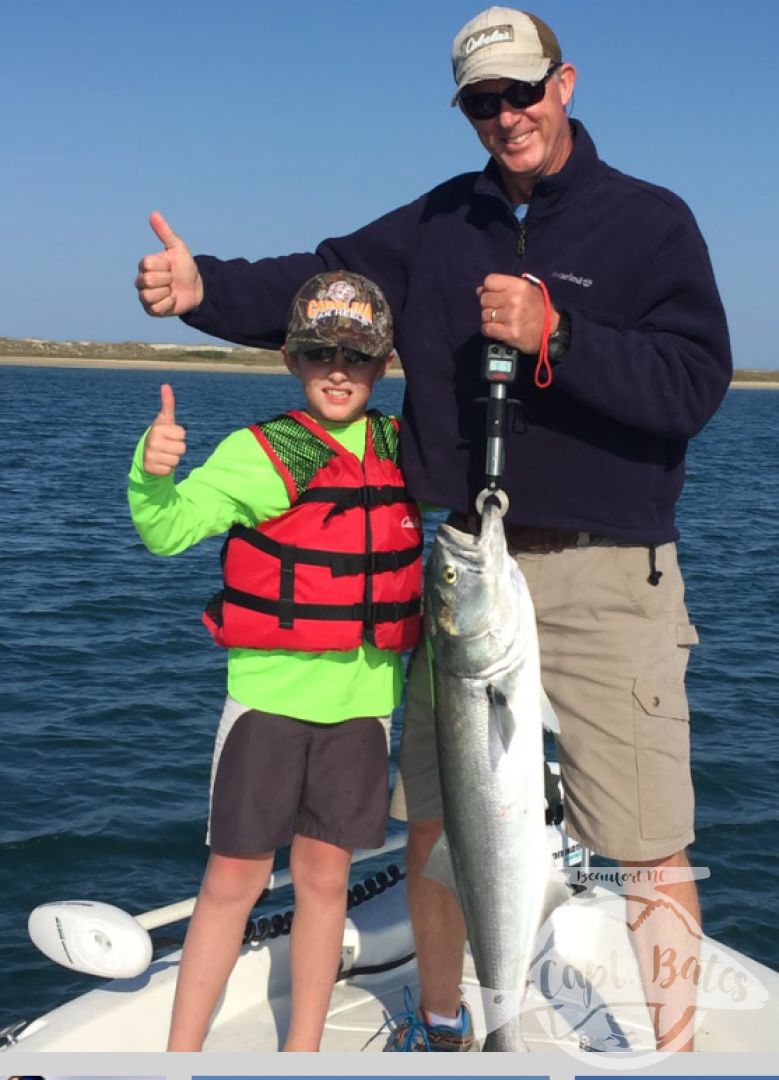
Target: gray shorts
[(614, 652), (273, 777)]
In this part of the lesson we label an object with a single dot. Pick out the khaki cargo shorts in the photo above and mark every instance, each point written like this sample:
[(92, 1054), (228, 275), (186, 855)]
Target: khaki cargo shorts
[(614, 652)]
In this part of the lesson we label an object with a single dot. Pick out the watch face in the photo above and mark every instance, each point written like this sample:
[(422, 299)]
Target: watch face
[(559, 341)]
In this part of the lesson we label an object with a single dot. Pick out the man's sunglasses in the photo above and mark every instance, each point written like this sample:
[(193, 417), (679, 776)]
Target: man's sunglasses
[(520, 95), (325, 354)]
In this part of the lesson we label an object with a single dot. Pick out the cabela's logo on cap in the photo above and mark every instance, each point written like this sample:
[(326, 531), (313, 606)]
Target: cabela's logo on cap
[(487, 37), (339, 301)]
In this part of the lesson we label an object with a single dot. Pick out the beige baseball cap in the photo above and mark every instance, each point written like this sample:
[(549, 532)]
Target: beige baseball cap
[(503, 43)]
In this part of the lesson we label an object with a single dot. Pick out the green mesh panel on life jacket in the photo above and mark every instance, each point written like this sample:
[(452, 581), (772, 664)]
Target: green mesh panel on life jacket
[(384, 435), (304, 454), (298, 448)]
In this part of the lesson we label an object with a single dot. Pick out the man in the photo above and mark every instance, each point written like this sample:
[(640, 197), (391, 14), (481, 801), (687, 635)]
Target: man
[(639, 362)]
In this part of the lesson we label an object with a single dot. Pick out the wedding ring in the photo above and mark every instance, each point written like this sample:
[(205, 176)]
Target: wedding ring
[(493, 315)]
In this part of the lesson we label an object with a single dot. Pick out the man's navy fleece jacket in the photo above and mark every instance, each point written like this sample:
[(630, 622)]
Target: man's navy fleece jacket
[(603, 448)]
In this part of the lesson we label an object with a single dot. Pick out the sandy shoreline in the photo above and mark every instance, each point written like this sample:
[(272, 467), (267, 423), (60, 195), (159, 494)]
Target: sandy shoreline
[(225, 365), (149, 365), (145, 365)]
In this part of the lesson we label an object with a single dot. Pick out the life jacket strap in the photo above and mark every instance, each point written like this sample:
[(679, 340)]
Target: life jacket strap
[(341, 564), (367, 497), (369, 614)]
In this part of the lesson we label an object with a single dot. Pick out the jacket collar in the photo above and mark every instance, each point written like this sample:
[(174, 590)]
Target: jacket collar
[(556, 191)]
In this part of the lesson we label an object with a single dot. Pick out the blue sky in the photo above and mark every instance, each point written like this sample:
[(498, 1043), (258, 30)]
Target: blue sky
[(259, 128)]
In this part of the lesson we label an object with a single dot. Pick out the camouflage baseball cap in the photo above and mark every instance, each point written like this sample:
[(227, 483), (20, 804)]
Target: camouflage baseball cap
[(340, 308)]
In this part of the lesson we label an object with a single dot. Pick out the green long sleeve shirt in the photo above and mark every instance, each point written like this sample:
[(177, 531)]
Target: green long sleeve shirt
[(238, 484)]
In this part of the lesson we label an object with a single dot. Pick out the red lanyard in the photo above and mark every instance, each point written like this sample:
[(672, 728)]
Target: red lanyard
[(543, 372)]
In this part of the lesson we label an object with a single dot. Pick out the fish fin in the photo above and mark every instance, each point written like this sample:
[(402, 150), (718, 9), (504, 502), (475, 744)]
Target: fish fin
[(439, 866), (548, 715), (557, 893), (428, 647), (504, 717)]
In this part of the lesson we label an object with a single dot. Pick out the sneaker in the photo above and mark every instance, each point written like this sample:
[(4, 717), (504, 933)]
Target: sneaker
[(410, 1031)]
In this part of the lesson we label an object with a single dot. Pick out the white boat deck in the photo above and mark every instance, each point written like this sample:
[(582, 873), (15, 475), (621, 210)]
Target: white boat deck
[(133, 1014)]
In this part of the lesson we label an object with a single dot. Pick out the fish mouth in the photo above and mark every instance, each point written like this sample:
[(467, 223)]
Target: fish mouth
[(462, 545), (470, 545)]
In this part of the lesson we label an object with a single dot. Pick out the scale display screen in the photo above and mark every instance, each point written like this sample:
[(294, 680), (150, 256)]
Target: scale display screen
[(499, 363), (505, 367)]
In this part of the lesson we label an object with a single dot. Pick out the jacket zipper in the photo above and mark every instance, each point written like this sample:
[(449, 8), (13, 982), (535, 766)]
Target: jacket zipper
[(521, 237)]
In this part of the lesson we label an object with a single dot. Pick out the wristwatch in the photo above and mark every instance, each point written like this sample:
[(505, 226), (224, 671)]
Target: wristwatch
[(559, 341)]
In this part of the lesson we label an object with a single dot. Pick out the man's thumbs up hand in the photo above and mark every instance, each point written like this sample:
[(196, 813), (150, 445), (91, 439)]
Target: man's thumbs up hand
[(169, 282)]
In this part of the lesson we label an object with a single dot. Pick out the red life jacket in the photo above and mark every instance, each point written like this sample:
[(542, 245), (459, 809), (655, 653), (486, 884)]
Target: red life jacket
[(342, 565)]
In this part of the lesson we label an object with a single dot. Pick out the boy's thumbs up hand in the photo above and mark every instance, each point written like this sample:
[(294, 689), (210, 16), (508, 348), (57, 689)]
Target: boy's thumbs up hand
[(169, 281), (165, 445), (167, 404)]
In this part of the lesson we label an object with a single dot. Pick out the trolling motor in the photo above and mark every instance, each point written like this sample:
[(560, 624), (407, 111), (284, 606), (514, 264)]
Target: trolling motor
[(499, 364)]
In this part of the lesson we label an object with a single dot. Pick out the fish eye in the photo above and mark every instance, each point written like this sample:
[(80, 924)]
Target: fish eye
[(449, 574)]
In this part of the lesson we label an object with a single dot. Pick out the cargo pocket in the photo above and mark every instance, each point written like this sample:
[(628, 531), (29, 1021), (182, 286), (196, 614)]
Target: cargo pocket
[(662, 731)]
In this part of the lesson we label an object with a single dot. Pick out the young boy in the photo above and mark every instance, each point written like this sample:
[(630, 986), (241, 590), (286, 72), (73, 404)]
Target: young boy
[(322, 579)]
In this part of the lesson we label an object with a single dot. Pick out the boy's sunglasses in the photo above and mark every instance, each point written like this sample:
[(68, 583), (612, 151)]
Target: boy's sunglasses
[(520, 95), (325, 354)]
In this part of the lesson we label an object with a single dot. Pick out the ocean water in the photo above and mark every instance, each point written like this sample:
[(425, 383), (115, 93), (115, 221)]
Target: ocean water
[(111, 688)]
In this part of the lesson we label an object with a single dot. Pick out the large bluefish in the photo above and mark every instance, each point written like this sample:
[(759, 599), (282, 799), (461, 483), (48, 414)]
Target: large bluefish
[(489, 720)]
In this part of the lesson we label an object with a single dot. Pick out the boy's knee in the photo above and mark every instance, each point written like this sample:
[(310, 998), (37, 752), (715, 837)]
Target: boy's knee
[(229, 880), (324, 883), (320, 870)]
